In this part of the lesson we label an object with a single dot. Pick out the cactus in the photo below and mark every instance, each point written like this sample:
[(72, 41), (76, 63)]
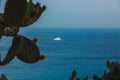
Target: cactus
[(20, 13), (73, 75), (111, 66), (10, 31), (1, 31), (3, 77), (14, 12), (27, 50), (11, 52), (33, 12)]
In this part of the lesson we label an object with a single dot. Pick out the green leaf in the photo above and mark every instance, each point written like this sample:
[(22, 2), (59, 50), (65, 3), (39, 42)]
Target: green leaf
[(14, 12), (30, 7), (1, 31), (74, 74), (28, 50), (110, 66), (7, 30), (3, 77), (34, 11), (25, 49), (2, 26)]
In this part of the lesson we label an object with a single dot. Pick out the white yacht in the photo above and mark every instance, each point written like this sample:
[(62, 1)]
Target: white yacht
[(57, 39)]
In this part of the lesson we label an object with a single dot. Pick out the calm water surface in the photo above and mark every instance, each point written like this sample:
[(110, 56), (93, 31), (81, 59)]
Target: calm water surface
[(85, 50)]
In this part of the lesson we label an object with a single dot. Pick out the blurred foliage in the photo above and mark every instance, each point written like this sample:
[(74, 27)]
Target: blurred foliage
[(112, 74), (20, 13), (3, 77), (73, 76)]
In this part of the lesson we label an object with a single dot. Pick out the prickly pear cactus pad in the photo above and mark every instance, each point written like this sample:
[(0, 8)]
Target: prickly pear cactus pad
[(1, 25), (1, 31), (11, 52), (10, 31), (33, 12), (14, 12), (27, 50), (1, 19)]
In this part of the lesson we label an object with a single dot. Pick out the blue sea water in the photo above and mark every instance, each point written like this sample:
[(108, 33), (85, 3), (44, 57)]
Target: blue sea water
[(85, 50)]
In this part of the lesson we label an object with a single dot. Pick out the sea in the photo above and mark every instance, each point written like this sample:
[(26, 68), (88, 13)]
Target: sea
[(85, 50)]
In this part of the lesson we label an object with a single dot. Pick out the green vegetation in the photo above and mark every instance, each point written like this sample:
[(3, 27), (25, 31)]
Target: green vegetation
[(17, 14), (15, 11), (73, 75), (3, 77), (20, 13), (113, 74)]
